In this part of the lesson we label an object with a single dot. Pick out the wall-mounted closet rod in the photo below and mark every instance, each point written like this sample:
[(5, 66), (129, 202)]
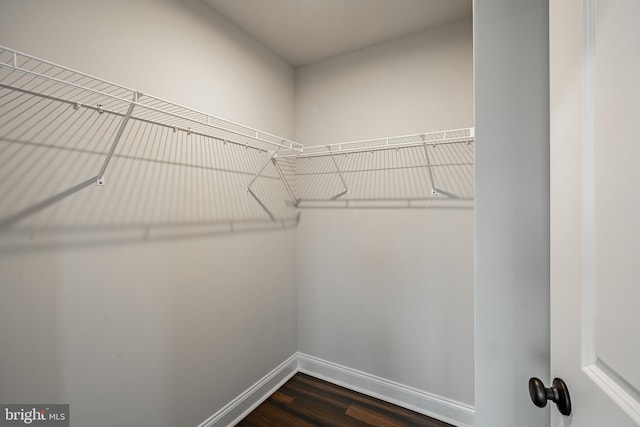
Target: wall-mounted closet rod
[(419, 203), (16, 61)]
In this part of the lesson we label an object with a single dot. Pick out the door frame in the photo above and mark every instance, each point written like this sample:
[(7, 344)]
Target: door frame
[(512, 311)]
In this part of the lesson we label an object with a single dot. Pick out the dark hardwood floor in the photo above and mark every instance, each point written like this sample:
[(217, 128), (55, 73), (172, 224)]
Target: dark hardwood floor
[(306, 401)]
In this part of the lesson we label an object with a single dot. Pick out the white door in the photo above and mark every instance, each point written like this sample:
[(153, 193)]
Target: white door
[(595, 209)]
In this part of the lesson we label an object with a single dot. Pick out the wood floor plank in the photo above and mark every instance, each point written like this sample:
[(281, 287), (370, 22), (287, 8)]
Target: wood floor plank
[(305, 401), (313, 393), (322, 414), (269, 415), (278, 396), (348, 397), (371, 418)]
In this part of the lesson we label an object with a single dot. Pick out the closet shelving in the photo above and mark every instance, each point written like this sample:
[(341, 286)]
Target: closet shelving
[(169, 166), (61, 130), (31, 75), (454, 136), (409, 171)]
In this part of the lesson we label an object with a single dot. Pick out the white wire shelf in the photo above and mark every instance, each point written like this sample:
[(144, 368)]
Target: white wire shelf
[(454, 136), (160, 165), (34, 76), (437, 166)]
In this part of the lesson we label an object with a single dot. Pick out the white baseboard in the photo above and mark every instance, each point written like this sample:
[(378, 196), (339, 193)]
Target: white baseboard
[(242, 405), (447, 410)]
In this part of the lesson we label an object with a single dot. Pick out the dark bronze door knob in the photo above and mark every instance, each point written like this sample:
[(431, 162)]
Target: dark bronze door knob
[(558, 393)]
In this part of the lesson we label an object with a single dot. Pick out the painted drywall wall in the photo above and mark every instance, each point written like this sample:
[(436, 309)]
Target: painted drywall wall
[(161, 332), (390, 292), (180, 50), (512, 209), (415, 84)]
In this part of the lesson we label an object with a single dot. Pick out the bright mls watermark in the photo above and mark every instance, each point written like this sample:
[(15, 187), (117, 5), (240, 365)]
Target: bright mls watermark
[(34, 415)]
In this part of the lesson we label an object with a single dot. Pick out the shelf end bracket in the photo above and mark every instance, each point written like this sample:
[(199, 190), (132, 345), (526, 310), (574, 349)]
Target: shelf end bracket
[(100, 181)]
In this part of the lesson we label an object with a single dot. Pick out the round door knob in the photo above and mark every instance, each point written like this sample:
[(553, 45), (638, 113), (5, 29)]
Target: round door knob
[(558, 393)]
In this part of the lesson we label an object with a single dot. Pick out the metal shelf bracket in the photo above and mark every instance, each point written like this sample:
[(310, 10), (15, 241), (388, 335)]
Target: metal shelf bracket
[(434, 191), (255, 178), (100, 180), (344, 183)]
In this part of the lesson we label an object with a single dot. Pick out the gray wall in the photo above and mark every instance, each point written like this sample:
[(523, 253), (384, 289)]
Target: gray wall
[(166, 333), (512, 209), (390, 292), (159, 333), (415, 84)]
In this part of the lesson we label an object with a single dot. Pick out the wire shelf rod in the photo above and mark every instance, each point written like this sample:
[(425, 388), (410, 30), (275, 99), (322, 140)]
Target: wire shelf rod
[(382, 169)]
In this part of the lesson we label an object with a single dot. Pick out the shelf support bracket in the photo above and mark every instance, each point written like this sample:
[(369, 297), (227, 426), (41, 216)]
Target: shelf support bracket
[(344, 183), (100, 180), (434, 191), (292, 196), (255, 178)]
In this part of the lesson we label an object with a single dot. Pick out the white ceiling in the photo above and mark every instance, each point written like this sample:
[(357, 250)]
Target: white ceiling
[(306, 31)]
